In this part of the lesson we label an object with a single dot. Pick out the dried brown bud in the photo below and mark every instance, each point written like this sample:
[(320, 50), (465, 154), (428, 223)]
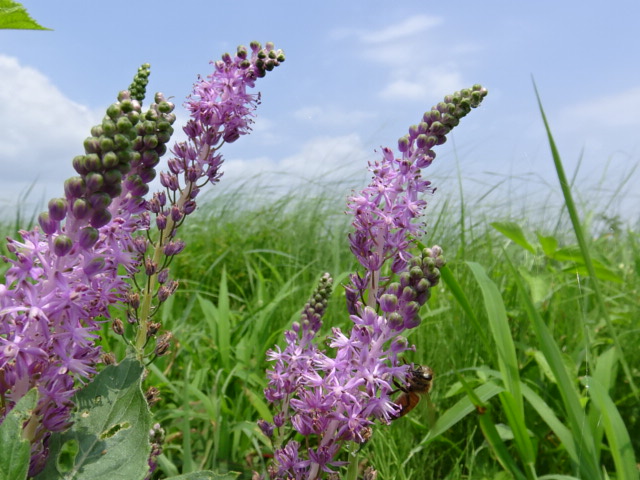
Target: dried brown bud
[(370, 474), (153, 329), (152, 396), (163, 344), (108, 358), (118, 326)]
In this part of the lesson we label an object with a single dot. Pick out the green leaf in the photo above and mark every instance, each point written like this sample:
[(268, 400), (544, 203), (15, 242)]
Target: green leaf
[(615, 430), (584, 247), (582, 439), (514, 232), (456, 413), (497, 445), (461, 409), (549, 245), (109, 439), (14, 16), (499, 326), (16, 451)]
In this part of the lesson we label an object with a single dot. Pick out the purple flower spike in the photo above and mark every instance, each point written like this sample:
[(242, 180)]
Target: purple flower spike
[(336, 397), (64, 275)]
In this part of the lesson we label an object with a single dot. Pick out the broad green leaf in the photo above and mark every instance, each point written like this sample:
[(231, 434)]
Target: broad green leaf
[(549, 245), (14, 16), (521, 434), (224, 321), (259, 404), (453, 415), (554, 476), (539, 285), (109, 439), (16, 451), (514, 232), (456, 290), (206, 475)]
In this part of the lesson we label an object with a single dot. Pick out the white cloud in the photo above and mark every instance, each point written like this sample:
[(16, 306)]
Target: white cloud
[(422, 84), (416, 59), (602, 125), (333, 116), (619, 110), (413, 25), (40, 132), (322, 160)]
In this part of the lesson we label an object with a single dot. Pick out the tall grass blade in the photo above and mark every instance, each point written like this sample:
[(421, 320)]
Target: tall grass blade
[(512, 400), (458, 293), (617, 434), (581, 434), (577, 228), (499, 326), (497, 445)]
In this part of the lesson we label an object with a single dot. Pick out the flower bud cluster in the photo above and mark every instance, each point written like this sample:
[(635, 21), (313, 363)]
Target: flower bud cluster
[(138, 87), (401, 300)]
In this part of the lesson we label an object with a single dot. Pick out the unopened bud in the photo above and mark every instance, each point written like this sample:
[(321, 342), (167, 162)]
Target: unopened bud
[(62, 245), (150, 266)]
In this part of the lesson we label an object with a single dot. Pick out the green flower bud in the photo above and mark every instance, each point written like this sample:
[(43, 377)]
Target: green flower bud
[(149, 126), (113, 111), (62, 245), (99, 201), (134, 117), (91, 145), (108, 127), (112, 176), (124, 125), (121, 141), (127, 105), (110, 160), (151, 115), (106, 144), (92, 163), (165, 107), (57, 208), (80, 208), (94, 181)]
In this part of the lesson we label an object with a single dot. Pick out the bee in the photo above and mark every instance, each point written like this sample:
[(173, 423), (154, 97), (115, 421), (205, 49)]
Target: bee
[(419, 381)]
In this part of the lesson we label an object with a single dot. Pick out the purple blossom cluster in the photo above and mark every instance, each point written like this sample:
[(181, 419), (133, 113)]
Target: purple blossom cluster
[(221, 111), (84, 255), (333, 398)]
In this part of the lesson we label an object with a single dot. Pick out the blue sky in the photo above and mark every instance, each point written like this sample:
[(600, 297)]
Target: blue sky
[(357, 74)]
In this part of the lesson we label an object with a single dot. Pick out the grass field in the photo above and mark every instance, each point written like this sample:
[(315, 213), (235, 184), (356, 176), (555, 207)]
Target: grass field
[(533, 334), (516, 314)]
